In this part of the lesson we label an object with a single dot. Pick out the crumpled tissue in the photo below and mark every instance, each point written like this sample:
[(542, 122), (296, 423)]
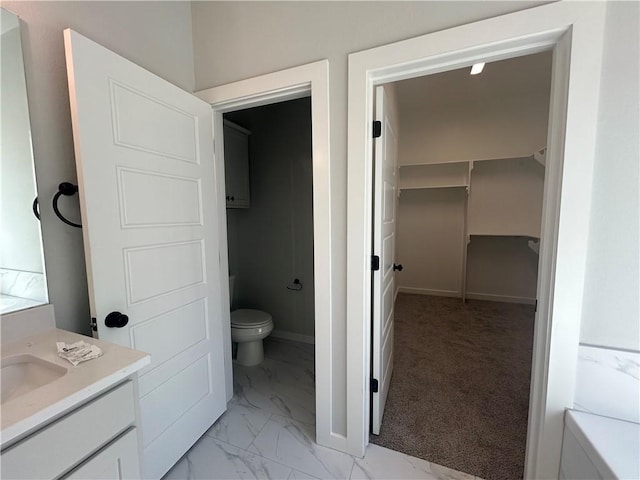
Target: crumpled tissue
[(78, 352)]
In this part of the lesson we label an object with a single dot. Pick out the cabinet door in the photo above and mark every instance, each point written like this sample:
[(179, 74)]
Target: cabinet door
[(236, 165), (119, 460)]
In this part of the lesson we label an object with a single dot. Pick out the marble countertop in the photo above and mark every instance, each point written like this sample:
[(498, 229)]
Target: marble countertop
[(24, 414), (612, 445)]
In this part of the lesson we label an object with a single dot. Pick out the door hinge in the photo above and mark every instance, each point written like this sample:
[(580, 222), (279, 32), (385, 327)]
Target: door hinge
[(374, 385), (536, 309), (377, 128), (94, 324), (375, 262)]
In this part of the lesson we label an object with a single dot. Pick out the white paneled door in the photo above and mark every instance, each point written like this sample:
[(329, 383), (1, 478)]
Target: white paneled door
[(144, 155), (384, 225)]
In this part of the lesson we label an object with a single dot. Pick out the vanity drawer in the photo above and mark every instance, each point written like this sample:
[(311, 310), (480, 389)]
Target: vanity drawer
[(63, 444)]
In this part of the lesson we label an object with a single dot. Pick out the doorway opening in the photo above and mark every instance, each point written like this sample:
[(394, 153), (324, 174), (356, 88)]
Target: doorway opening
[(306, 81), (269, 200), (468, 212), (574, 33)]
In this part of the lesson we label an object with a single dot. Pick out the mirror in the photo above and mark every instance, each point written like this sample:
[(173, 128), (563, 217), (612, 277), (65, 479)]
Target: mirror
[(22, 278)]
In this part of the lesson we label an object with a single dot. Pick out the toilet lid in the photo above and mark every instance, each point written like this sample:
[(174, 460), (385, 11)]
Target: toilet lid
[(248, 318)]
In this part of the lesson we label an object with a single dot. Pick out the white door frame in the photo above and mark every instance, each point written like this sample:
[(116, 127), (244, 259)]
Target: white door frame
[(574, 31), (297, 82)]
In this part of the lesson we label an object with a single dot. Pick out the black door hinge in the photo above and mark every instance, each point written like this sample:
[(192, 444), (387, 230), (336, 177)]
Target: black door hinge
[(536, 309), (374, 385), (377, 128), (375, 262), (94, 324)]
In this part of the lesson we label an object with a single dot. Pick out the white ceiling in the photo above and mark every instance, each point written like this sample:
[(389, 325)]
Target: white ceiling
[(529, 75)]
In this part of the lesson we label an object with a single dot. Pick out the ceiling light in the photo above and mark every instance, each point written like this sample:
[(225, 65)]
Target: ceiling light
[(477, 68)]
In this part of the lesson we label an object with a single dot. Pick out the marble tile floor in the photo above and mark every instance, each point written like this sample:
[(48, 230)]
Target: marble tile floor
[(268, 432)]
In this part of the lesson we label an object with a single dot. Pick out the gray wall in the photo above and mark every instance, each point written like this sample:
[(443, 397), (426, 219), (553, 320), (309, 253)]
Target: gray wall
[(249, 39), (155, 35), (237, 40), (271, 243)]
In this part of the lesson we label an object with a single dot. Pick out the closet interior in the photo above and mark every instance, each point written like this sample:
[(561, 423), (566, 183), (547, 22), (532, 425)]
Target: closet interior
[(470, 177), (470, 201)]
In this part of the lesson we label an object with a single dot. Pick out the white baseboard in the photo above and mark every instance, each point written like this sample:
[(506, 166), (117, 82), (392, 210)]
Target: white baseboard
[(296, 337), (469, 295), (428, 291), (500, 298)]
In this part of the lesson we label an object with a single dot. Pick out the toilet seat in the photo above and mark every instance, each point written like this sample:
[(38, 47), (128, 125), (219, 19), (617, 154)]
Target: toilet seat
[(249, 318)]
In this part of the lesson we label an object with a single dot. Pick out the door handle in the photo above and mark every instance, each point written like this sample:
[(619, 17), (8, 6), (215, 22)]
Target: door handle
[(116, 319), (398, 267)]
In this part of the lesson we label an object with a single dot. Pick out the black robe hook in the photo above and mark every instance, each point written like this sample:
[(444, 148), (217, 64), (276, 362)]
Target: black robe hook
[(67, 189)]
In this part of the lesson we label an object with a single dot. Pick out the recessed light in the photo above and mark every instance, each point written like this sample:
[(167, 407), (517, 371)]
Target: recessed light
[(477, 68)]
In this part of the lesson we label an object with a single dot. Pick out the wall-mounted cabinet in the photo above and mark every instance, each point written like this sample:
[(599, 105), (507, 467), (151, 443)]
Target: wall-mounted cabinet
[(236, 165)]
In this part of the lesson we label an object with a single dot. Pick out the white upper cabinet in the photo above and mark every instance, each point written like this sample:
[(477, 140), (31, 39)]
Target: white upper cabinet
[(236, 165)]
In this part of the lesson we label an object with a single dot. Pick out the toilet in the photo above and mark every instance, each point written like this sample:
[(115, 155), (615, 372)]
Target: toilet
[(248, 328)]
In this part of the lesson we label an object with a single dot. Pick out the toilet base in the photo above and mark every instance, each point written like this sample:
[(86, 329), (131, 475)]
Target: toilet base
[(250, 353)]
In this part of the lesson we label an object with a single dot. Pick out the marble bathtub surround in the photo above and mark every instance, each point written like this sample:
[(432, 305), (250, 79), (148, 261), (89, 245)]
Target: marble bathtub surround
[(608, 383), (20, 290), (13, 304), (29, 285), (268, 432), (610, 445)]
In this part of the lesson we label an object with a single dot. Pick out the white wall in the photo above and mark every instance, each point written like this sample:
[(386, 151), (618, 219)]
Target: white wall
[(271, 243), (237, 40), (156, 35), (501, 269), (490, 128), (611, 312), (20, 248), (430, 233)]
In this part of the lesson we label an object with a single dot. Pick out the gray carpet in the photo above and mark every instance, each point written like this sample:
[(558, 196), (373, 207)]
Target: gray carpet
[(459, 394)]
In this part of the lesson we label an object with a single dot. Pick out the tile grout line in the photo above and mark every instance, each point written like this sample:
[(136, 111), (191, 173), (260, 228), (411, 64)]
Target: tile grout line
[(269, 459), (353, 465)]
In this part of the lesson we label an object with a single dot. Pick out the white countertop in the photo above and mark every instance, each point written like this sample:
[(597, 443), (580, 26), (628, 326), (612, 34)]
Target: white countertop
[(27, 412), (612, 445)]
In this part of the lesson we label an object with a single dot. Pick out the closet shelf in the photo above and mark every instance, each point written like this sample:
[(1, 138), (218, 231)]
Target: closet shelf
[(432, 187), (429, 164), (504, 234), (531, 238), (539, 155)]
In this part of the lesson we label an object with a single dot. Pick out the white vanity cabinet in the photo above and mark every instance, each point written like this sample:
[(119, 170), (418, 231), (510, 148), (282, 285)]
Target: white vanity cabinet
[(97, 440), (236, 165)]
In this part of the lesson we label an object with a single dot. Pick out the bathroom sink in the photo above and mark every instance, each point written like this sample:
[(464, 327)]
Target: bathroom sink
[(24, 373)]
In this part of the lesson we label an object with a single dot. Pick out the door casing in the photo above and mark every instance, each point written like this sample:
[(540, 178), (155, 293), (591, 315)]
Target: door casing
[(574, 31), (306, 80)]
